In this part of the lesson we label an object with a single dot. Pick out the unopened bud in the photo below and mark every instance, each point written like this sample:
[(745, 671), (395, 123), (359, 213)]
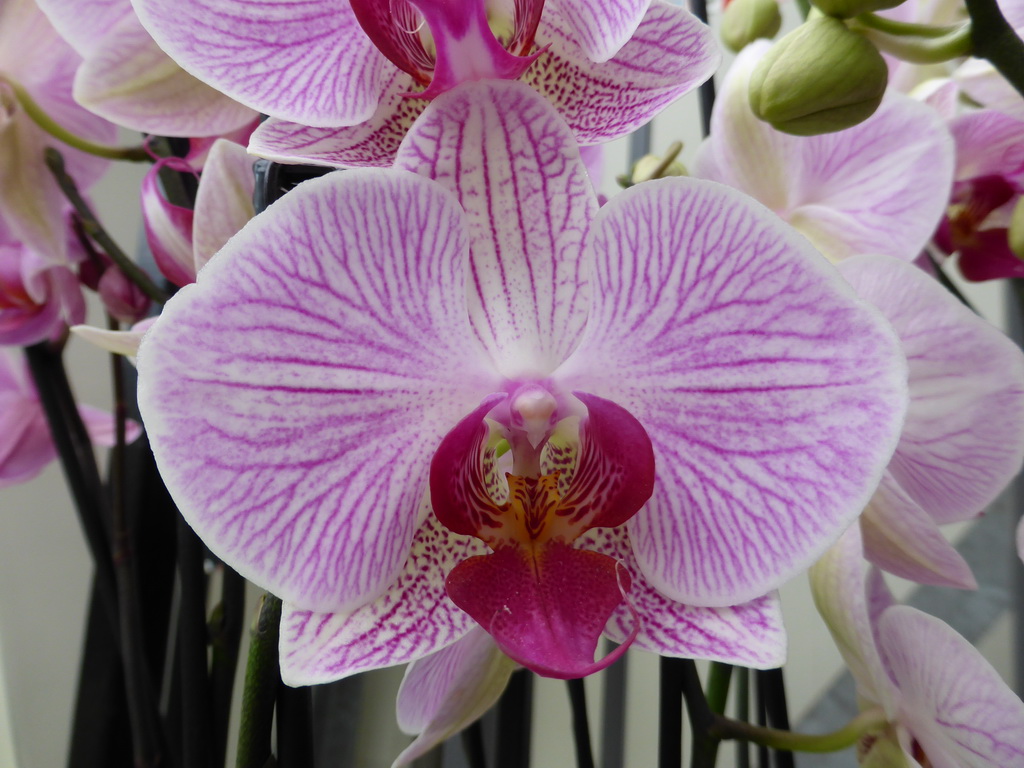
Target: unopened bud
[(819, 78), (1015, 234), (654, 167), (121, 297), (168, 227), (744, 21), (847, 9)]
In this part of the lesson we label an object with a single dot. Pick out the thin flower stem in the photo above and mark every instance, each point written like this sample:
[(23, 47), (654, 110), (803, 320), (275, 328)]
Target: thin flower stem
[(719, 677), (994, 39), (227, 636), (707, 88), (704, 749), (142, 708), (943, 278), (93, 228), (580, 723), (473, 744), (195, 704), (867, 722), (773, 685), (515, 711), (39, 116), (905, 28), (670, 717), (742, 713), (294, 727), (921, 50), (260, 690)]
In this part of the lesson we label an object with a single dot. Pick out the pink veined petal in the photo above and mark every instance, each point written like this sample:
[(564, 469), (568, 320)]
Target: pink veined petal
[(751, 634), (988, 143), (879, 187), (85, 23), (443, 693), (772, 395), (515, 167), (983, 84), (601, 26), (963, 440), (545, 606), (901, 538), (372, 142), (223, 200), (840, 592), (954, 703), (132, 82), (306, 62), (168, 227), (294, 394), (670, 54), (412, 619)]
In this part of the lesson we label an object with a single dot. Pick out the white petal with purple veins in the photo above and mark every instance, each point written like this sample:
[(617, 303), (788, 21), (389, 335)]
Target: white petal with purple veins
[(515, 167), (308, 62), (772, 395), (671, 53), (412, 619), (963, 440), (295, 393), (601, 26), (954, 703), (223, 200)]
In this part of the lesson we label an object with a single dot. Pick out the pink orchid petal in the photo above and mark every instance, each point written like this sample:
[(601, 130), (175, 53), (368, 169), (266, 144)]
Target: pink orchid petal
[(984, 85), (295, 393), (25, 443), (840, 593), (601, 26), (751, 634), (118, 342), (309, 63), (670, 54), (85, 23), (545, 606), (528, 292), (132, 82), (963, 440), (989, 257), (903, 539), (988, 143), (33, 452), (443, 693), (772, 395), (223, 200), (413, 618), (168, 227), (372, 142), (102, 426), (879, 187), (954, 703)]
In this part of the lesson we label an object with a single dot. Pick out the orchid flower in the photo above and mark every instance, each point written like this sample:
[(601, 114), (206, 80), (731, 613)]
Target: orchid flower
[(983, 83), (963, 439), (879, 187), (987, 186), (25, 443), (126, 78), (945, 705), (378, 332), (344, 79), (35, 63)]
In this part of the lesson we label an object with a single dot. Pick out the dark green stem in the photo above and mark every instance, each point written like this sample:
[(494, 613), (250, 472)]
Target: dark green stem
[(704, 748), (580, 723), (262, 676), (93, 228), (867, 722), (994, 39)]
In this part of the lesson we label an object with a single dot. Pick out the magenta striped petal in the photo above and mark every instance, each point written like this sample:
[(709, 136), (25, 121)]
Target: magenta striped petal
[(133, 83), (602, 27), (372, 142), (879, 187), (413, 618), (445, 692), (671, 53), (772, 395), (295, 393), (751, 634), (963, 440), (515, 167), (308, 62), (223, 200), (953, 702)]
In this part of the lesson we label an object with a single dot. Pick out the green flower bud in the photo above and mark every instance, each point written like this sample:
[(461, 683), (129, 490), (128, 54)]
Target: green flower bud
[(847, 9), (1015, 234), (744, 21), (819, 78), (647, 168)]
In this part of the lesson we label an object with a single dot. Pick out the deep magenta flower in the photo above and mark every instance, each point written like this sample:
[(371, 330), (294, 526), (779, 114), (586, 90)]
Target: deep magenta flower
[(367, 324), (343, 93)]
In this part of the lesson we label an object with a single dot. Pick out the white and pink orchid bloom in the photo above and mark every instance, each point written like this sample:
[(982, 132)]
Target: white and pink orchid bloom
[(26, 446), (33, 57), (126, 78), (879, 187), (182, 239), (963, 439), (946, 707), (988, 184), (367, 325), (342, 80)]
